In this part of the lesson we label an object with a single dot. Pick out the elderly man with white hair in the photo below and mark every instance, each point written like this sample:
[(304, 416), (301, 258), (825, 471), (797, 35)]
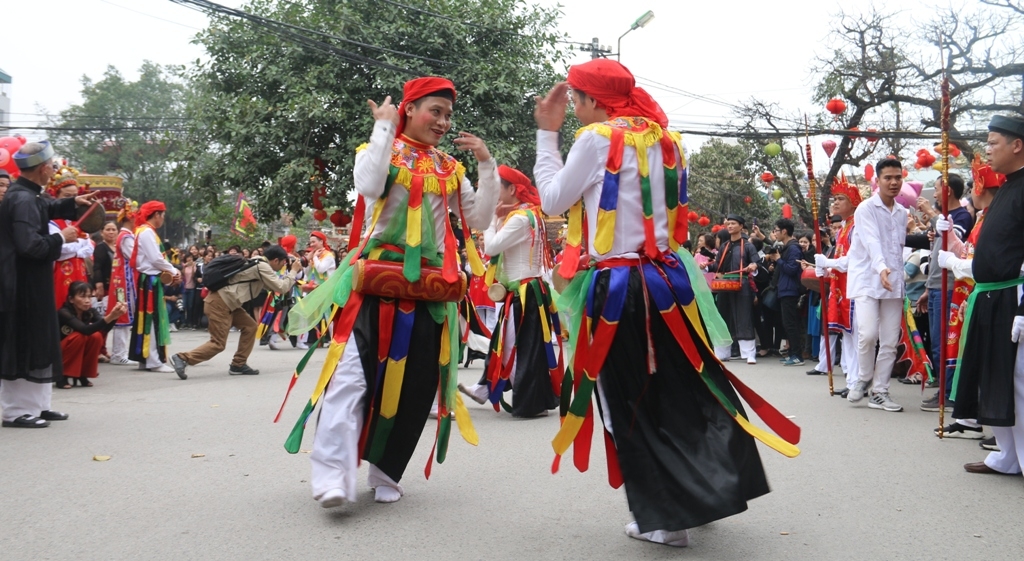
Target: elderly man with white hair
[(29, 336)]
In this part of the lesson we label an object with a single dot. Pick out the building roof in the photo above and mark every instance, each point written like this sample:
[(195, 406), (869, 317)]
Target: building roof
[(5, 78)]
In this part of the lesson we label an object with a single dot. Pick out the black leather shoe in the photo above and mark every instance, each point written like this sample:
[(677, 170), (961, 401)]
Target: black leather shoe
[(842, 393), (242, 370), (53, 416)]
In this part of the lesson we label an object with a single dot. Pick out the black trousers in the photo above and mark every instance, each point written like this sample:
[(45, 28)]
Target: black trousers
[(796, 330)]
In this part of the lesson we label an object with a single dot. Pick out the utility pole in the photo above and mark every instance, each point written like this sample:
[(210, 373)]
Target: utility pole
[(597, 50)]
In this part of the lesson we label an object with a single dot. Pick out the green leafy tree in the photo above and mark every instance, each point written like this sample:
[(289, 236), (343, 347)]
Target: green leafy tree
[(274, 117), (131, 129), (724, 179)]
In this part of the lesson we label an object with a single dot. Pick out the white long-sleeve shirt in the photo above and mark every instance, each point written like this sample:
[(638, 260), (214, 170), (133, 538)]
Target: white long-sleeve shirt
[(81, 247), (371, 171), (149, 260), (582, 175), (877, 244), (127, 246), (520, 259)]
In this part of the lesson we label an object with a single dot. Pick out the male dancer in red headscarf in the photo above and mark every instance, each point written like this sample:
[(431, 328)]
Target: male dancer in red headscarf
[(399, 331), (643, 322), (150, 332), (522, 356)]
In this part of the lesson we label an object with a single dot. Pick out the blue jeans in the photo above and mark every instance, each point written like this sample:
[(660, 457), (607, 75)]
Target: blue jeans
[(935, 320)]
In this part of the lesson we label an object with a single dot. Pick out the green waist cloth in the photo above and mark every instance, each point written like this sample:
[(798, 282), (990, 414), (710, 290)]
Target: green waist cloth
[(573, 302), (979, 288)]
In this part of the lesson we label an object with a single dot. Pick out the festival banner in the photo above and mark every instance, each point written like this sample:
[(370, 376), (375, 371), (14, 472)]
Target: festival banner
[(244, 221)]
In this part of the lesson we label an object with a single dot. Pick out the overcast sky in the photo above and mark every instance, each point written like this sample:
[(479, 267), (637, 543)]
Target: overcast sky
[(725, 50)]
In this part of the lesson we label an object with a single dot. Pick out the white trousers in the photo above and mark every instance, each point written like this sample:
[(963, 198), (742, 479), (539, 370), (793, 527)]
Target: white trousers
[(879, 321), (487, 315), (153, 360), (22, 397), (119, 337), (748, 350), (1010, 456), (849, 361), (335, 456)]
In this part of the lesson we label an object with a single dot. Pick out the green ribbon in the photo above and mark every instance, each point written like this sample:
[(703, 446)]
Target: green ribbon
[(979, 288)]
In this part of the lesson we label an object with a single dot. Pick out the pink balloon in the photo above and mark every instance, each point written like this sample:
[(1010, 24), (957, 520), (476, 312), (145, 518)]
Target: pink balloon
[(12, 143), (829, 146)]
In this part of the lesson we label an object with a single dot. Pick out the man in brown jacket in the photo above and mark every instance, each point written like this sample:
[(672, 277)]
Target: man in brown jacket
[(224, 310)]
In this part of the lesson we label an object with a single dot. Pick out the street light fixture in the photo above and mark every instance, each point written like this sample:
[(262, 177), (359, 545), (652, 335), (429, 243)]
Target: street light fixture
[(641, 21)]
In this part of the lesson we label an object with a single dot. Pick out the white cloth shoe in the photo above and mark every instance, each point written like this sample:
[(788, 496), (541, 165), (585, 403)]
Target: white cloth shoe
[(385, 490), (477, 392), (332, 499), (679, 538), (162, 368)]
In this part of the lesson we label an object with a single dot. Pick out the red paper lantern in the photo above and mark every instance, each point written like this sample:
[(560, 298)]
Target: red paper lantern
[(704, 221), (320, 215), (829, 146), (767, 177), (872, 138), (854, 129), (338, 218), (869, 172), (747, 199), (835, 106), (319, 194), (787, 211), (716, 228), (693, 216)]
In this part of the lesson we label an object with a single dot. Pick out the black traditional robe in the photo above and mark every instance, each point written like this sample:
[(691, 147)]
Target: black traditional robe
[(985, 385), (29, 334), (737, 308)]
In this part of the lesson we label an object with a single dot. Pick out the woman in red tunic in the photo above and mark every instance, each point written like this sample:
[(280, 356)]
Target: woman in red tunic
[(82, 331), (71, 265)]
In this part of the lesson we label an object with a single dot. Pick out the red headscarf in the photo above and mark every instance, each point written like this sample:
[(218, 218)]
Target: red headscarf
[(419, 88), (147, 210), (525, 191), (288, 243), (615, 90), (323, 238)]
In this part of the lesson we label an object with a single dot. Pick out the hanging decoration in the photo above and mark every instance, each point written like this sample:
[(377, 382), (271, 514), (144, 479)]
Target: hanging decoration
[(787, 211), (925, 159), (319, 196), (869, 172), (320, 215), (716, 228), (704, 221), (954, 150), (836, 107), (829, 146), (747, 199), (872, 139), (777, 194), (767, 177), (693, 216), (340, 219), (773, 149)]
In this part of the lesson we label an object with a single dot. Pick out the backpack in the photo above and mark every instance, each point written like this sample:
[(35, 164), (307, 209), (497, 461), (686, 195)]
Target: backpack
[(218, 272)]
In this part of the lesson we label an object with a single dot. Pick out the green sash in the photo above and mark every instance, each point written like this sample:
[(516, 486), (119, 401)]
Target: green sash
[(968, 314)]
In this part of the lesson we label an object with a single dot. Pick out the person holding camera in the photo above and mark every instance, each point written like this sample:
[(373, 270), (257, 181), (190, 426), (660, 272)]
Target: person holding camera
[(224, 310)]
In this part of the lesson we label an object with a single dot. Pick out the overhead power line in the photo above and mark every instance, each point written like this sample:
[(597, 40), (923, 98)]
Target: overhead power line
[(297, 35)]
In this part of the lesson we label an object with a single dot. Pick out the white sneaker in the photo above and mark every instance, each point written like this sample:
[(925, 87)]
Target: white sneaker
[(120, 360), (678, 538), (857, 391), (173, 328), (751, 360), (302, 346), (881, 400), (332, 499), (162, 368)]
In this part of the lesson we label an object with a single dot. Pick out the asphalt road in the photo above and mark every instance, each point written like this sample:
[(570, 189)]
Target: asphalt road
[(197, 471)]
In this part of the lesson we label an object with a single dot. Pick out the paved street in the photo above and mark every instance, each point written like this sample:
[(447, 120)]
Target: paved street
[(197, 471)]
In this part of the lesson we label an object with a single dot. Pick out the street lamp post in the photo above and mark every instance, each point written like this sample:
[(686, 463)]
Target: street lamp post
[(641, 21)]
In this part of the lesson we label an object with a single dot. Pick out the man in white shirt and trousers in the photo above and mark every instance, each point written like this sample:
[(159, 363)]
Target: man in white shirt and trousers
[(876, 285)]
